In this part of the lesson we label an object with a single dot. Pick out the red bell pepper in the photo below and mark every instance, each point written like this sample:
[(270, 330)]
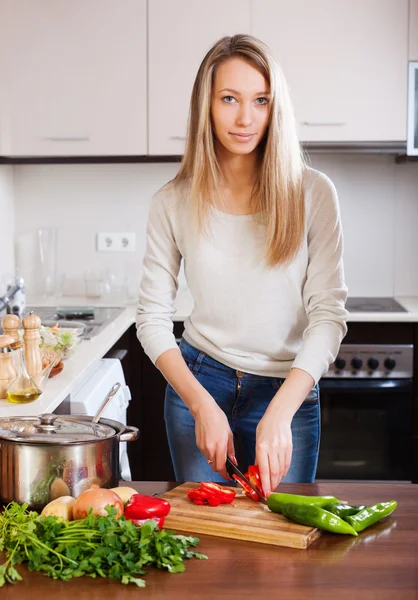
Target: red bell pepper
[(253, 475), (211, 493), (141, 508), (140, 522)]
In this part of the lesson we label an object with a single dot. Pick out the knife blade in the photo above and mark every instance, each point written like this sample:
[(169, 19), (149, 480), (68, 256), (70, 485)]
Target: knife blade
[(232, 469)]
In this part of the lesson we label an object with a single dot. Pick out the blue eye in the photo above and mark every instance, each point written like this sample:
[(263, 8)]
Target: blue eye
[(262, 101), (228, 99)]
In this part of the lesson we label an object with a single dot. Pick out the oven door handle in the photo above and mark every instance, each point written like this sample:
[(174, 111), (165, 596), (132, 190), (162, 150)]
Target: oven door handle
[(365, 385)]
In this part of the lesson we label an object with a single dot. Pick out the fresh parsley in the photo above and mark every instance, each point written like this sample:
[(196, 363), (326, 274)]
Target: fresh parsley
[(95, 546)]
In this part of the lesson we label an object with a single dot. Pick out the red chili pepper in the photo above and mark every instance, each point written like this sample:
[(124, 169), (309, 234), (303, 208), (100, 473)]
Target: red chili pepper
[(212, 494), (143, 508)]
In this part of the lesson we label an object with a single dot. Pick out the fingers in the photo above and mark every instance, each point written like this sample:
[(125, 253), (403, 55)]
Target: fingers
[(264, 467), (288, 459), (216, 455), (276, 470), (273, 465)]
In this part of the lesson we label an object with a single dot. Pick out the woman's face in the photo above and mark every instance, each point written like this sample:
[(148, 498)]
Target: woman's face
[(240, 106)]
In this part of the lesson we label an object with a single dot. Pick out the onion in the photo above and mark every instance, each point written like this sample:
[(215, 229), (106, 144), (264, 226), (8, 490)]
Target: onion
[(96, 498)]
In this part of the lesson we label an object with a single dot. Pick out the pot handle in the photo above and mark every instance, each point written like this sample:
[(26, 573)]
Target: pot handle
[(129, 434)]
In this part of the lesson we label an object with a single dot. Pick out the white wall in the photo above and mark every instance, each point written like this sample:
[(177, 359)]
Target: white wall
[(378, 198), (7, 225)]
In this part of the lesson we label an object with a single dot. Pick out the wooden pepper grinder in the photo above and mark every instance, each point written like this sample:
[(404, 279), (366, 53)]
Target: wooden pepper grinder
[(10, 324), (31, 340), (7, 367)]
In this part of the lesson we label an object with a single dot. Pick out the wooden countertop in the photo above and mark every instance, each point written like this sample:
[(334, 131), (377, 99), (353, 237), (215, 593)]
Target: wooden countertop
[(382, 563)]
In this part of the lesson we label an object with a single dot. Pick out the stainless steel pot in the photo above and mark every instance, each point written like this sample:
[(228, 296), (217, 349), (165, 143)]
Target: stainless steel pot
[(45, 457)]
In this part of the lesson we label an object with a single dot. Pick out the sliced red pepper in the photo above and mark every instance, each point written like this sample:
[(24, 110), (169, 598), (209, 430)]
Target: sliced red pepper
[(212, 494), (253, 475), (141, 507), (249, 492), (197, 494), (225, 495)]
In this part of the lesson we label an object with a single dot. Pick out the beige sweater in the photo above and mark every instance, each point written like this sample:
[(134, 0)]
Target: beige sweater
[(246, 316)]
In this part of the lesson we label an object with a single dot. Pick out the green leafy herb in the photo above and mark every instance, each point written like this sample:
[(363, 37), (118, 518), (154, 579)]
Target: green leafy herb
[(94, 546)]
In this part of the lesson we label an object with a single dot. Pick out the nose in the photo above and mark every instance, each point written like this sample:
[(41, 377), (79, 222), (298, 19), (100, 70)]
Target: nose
[(244, 117)]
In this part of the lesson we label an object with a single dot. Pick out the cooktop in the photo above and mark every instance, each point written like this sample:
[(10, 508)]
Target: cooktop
[(385, 305), (95, 318)]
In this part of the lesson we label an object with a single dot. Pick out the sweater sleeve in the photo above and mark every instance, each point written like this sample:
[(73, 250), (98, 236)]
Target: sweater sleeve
[(159, 283), (324, 290)]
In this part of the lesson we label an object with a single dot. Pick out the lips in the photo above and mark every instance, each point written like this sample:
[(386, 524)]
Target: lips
[(242, 137)]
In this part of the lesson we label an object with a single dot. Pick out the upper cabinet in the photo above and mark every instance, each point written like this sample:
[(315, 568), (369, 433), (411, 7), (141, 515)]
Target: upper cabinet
[(345, 63), (180, 33), (76, 78), (413, 29)]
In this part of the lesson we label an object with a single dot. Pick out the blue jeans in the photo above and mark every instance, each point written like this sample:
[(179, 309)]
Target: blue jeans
[(244, 408)]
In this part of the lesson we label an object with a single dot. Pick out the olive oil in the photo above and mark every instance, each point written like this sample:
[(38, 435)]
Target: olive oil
[(22, 389), (23, 396)]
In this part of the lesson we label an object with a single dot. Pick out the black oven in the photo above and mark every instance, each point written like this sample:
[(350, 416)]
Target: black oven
[(367, 414)]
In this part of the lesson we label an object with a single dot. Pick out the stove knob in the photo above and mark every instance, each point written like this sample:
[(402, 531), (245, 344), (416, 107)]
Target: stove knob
[(356, 363), (390, 364), (372, 363), (339, 363)]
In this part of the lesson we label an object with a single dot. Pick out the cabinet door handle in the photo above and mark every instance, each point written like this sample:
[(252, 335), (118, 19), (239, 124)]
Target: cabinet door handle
[(179, 138), (67, 138), (324, 123)]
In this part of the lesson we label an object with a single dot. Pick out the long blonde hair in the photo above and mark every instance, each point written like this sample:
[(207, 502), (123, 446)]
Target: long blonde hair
[(278, 194)]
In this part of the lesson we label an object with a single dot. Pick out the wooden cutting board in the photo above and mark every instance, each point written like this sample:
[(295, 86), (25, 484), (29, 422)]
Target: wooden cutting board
[(244, 519)]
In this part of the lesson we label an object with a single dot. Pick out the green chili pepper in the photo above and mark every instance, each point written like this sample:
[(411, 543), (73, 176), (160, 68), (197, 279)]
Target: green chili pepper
[(277, 501), (343, 510), (371, 514), (315, 516)]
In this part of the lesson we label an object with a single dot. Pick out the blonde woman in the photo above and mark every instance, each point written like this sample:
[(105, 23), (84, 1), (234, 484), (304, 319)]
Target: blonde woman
[(260, 236)]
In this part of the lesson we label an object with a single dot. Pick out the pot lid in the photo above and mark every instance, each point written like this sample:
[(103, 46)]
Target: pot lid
[(53, 429)]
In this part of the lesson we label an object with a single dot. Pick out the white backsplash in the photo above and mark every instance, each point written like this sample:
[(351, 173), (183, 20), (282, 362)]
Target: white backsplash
[(378, 199)]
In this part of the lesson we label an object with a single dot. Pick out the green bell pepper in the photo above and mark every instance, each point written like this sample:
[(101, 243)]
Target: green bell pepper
[(371, 514), (315, 516), (277, 501)]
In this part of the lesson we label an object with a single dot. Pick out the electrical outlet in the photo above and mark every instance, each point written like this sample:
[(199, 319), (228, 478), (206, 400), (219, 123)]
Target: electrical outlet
[(116, 242)]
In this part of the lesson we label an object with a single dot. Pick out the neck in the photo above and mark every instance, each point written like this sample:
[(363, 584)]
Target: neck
[(238, 170)]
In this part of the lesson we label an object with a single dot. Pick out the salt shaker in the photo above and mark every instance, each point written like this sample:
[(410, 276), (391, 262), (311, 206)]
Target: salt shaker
[(31, 339), (7, 367), (10, 324)]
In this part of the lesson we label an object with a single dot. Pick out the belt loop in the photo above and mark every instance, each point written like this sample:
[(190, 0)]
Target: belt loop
[(197, 363), (199, 360)]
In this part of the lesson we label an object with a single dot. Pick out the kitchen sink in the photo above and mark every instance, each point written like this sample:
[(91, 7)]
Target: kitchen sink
[(95, 319)]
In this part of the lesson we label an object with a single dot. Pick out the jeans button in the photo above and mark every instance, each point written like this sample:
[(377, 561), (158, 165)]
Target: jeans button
[(239, 373)]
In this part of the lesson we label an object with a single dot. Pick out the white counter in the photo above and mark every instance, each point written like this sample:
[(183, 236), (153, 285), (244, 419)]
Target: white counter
[(85, 356), (90, 351)]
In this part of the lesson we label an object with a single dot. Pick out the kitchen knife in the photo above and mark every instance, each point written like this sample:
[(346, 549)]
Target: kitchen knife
[(232, 470)]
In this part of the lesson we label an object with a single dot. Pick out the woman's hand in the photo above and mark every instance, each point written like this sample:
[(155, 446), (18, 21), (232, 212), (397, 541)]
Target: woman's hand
[(274, 446), (214, 436), (273, 449)]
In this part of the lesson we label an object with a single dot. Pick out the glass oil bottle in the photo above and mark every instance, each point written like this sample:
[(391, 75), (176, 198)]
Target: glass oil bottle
[(23, 389)]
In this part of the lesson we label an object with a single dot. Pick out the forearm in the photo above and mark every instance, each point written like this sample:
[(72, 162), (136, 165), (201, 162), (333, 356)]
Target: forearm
[(291, 394), (173, 367)]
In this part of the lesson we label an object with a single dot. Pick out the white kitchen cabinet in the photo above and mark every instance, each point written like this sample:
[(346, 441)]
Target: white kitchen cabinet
[(345, 63), (77, 77), (413, 29), (180, 34)]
